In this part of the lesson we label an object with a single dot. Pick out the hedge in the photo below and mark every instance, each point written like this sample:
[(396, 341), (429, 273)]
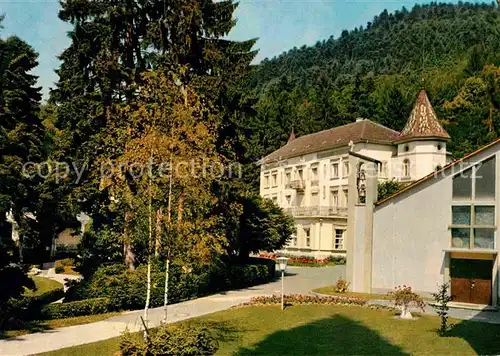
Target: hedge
[(29, 306), (179, 340), (78, 308), (127, 290)]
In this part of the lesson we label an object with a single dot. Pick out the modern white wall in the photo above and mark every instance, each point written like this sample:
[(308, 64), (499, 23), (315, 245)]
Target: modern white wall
[(411, 232)]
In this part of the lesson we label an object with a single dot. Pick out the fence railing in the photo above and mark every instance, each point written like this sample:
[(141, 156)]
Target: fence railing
[(316, 211)]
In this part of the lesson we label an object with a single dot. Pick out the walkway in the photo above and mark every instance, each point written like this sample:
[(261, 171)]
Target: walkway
[(485, 316), (298, 280)]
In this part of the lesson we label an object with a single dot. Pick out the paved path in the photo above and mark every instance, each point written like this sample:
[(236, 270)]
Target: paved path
[(297, 280), (485, 316)]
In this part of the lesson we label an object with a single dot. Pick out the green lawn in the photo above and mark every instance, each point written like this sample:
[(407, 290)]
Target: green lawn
[(34, 326), (43, 285), (327, 330)]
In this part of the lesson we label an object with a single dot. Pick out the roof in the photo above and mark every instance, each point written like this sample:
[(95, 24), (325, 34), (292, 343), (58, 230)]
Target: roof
[(423, 122), (363, 130), (433, 174)]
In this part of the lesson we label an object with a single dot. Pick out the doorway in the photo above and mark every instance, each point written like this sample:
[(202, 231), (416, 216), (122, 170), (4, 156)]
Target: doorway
[(471, 280)]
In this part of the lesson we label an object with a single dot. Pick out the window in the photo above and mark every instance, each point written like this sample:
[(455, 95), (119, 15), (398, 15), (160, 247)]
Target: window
[(406, 168), (338, 243), (335, 170), (300, 174), (473, 226), (346, 169), (275, 199), (462, 185), (407, 148), (334, 198), (346, 198), (472, 218), (307, 234), (314, 173), (288, 199), (275, 179), (485, 180), (266, 181), (325, 171), (382, 169), (439, 147), (288, 177)]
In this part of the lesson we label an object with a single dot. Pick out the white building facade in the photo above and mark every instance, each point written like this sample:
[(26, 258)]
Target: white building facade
[(309, 176), (439, 229)]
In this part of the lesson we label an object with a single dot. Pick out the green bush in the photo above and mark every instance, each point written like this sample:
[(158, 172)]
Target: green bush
[(127, 290), (78, 308), (28, 307), (182, 340), (59, 269)]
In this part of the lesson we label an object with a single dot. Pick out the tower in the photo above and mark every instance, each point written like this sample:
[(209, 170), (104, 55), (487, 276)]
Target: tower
[(421, 147)]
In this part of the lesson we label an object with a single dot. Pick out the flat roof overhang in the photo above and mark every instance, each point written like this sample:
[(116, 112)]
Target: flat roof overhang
[(478, 251)]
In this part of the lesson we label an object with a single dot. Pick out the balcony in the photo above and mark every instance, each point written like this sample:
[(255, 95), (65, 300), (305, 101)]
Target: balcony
[(325, 211), (298, 185)]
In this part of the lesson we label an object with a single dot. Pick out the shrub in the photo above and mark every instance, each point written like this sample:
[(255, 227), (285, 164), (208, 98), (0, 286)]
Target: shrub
[(341, 286), (127, 290), (403, 298), (28, 306), (442, 298), (78, 308), (59, 269), (188, 340)]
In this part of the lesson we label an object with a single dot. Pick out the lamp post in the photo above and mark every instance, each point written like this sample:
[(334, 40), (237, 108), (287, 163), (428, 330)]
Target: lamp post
[(282, 261)]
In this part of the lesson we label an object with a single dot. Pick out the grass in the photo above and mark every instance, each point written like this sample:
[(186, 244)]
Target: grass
[(42, 285), (330, 290), (42, 325), (327, 330)]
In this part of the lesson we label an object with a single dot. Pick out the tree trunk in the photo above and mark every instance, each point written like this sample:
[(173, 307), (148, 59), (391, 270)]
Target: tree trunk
[(128, 253), (165, 300), (148, 296), (150, 240), (405, 312), (159, 218)]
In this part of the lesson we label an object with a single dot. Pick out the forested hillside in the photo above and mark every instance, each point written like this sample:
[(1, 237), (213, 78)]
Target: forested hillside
[(376, 71)]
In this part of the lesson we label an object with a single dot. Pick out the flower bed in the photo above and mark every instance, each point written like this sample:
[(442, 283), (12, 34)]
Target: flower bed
[(306, 260), (300, 299)]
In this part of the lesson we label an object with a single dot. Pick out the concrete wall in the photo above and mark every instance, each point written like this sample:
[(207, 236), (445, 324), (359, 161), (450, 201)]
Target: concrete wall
[(411, 232), (410, 235)]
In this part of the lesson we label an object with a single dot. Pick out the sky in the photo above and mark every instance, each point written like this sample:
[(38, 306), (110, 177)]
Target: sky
[(278, 24)]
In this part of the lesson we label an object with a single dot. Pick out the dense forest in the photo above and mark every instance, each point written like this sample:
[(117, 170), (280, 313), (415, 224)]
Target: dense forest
[(376, 71)]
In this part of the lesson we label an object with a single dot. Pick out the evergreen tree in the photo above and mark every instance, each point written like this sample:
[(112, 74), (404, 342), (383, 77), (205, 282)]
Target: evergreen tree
[(21, 135), (113, 43)]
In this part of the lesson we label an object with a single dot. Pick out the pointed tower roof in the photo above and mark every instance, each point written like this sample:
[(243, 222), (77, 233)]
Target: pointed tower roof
[(423, 122), (292, 137)]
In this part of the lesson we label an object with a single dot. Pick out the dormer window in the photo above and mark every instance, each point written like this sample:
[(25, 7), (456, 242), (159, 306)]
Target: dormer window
[(406, 168)]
